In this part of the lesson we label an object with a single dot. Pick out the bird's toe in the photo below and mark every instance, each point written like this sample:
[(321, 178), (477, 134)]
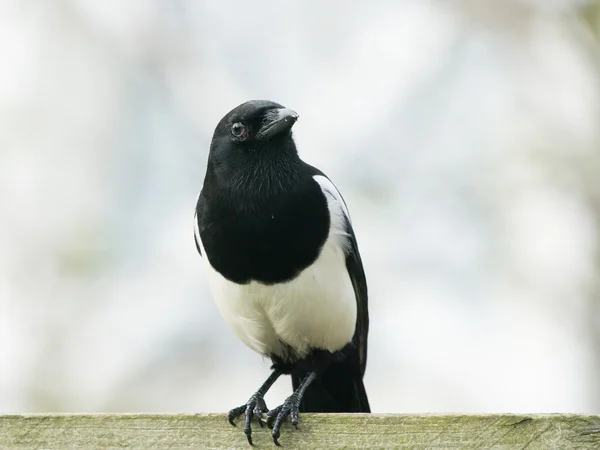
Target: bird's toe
[(235, 413), (272, 416), (254, 408), (277, 416)]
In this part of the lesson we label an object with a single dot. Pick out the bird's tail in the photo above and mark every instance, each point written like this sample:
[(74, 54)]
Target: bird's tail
[(339, 389)]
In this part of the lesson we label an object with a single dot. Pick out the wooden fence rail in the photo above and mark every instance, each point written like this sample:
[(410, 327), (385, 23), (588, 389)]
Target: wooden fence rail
[(325, 431)]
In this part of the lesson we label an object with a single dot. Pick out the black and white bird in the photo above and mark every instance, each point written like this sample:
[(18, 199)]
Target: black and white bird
[(283, 265)]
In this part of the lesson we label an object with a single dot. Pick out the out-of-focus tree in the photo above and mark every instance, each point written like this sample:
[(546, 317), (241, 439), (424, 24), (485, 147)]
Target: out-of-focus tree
[(464, 134)]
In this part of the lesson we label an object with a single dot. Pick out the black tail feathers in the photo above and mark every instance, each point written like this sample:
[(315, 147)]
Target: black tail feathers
[(339, 389)]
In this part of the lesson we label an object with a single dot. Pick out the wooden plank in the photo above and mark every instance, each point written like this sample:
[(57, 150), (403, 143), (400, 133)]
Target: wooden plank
[(212, 431)]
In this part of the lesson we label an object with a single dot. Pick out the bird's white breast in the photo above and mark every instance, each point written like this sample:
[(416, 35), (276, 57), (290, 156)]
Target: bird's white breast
[(317, 309)]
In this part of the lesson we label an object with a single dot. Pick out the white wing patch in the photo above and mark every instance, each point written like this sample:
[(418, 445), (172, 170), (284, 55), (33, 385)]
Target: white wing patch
[(338, 210), (329, 188), (197, 233)]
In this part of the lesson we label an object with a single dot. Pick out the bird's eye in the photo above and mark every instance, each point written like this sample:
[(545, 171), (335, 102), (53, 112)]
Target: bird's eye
[(239, 130)]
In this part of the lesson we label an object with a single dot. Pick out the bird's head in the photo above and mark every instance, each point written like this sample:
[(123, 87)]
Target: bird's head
[(253, 126), (252, 149)]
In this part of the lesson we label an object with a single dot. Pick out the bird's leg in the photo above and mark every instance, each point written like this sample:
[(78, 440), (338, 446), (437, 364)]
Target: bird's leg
[(255, 406), (290, 407)]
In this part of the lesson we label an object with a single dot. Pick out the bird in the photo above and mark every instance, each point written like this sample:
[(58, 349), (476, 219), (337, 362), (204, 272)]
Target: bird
[(283, 266)]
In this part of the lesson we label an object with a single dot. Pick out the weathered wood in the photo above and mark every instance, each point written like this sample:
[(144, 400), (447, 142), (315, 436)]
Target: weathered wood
[(212, 431)]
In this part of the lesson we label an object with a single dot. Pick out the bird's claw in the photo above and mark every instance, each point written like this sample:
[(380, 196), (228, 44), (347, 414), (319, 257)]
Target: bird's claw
[(234, 413), (276, 417), (255, 407)]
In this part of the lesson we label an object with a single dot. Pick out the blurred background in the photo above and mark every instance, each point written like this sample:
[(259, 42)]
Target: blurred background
[(464, 135)]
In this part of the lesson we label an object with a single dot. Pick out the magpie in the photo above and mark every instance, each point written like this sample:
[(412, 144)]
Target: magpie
[(283, 265)]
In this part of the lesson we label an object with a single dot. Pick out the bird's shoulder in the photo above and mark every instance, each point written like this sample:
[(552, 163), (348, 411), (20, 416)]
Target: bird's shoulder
[(328, 188)]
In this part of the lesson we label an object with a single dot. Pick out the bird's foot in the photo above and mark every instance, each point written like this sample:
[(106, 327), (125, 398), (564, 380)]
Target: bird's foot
[(276, 417), (255, 407)]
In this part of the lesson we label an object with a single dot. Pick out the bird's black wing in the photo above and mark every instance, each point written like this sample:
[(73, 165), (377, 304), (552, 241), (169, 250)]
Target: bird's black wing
[(357, 276), (359, 283)]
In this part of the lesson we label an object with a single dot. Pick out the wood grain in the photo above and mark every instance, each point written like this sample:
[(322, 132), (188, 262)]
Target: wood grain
[(326, 431)]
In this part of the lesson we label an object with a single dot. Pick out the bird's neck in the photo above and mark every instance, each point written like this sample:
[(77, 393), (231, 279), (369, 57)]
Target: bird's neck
[(259, 178)]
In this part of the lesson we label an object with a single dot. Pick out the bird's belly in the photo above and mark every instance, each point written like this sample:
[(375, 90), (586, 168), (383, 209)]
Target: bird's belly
[(317, 309)]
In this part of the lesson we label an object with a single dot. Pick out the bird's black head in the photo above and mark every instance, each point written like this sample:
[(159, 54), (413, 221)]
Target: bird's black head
[(253, 137), (255, 125)]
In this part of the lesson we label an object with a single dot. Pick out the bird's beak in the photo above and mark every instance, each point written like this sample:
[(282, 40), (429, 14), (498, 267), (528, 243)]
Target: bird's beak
[(277, 121)]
